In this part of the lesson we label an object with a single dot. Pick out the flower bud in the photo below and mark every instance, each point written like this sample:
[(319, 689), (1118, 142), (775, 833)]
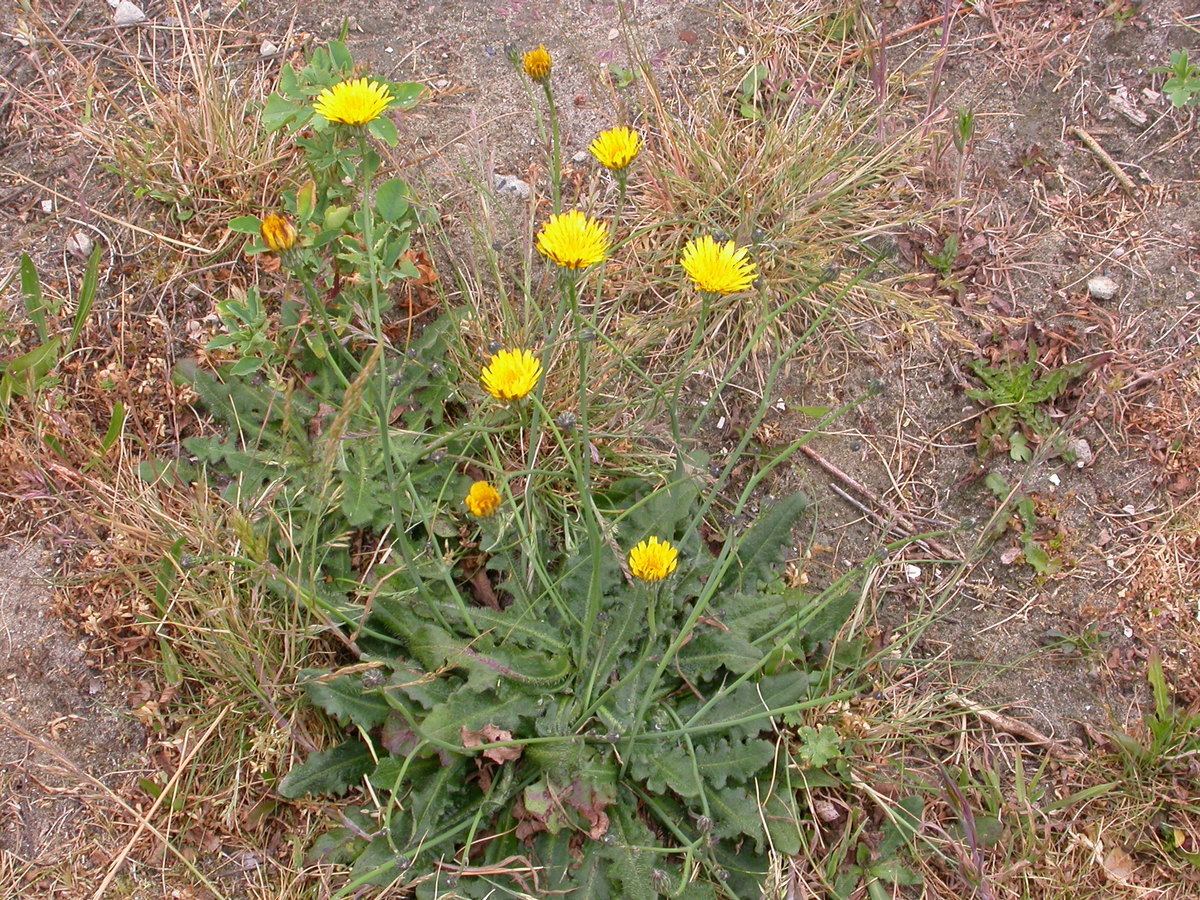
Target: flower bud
[(278, 233)]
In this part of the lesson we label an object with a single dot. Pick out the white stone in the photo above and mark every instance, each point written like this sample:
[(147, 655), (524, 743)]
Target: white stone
[(268, 48), (912, 573), (128, 13), (512, 186), (48, 206), (1054, 479), (1102, 287), (1082, 451), (80, 244)]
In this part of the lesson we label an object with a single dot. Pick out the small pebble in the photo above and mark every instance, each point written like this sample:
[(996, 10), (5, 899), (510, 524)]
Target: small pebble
[(1102, 287), (912, 573), (80, 244), (127, 13), (48, 206), (267, 48), (1082, 451), (512, 186), (580, 157)]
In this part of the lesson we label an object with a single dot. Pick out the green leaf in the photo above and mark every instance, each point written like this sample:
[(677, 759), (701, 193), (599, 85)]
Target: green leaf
[(828, 618), (735, 812), (377, 865), (756, 699), (733, 760), (361, 498), (346, 699), (1018, 447), (906, 821), (631, 866), (782, 824), (246, 225), (408, 94), (87, 296), (335, 217), (31, 292), (819, 748), (331, 772), (472, 710), (996, 484), (384, 129), (391, 199), (662, 765), (246, 366), (34, 365), (710, 650), (1038, 559), (760, 549), (280, 112), (894, 871)]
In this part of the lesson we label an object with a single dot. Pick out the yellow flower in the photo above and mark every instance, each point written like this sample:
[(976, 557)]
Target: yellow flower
[(617, 148), (482, 500), (717, 268), (537, 63), (573, 240), (653, 560), (511, 374), (353, 102), (278, 233)]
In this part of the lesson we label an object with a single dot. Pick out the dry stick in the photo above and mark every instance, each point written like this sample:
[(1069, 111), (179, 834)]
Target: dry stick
[(158, 801), (1020, 729), (1101, 154), (929, 543)]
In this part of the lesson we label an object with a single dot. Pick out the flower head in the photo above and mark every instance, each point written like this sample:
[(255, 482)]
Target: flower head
[(616, 148), (573, 240), (482, 500), (537, 63), (511, 374), (353, 102), (653, 560), (717, 268), (278, 232)]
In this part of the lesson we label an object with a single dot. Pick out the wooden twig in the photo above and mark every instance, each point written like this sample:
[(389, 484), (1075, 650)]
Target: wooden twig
[(892, 514), (1101, 154), (1020, 729)]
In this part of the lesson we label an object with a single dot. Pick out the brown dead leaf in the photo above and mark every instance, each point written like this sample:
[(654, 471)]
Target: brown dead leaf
[(487, 735), (1118, 865)]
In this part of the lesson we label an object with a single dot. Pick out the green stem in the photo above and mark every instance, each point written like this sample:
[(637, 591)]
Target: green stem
[(383, 388), (555, 150)]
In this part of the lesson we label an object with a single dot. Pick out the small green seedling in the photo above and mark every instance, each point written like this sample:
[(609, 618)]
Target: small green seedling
[(943, 260), (1016, 398), (963, 131), (31, 371), (1183, 87), (1035, 554)]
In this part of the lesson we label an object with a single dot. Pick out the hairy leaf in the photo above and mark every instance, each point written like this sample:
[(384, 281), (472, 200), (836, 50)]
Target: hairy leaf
[(760, 549), (735, 812), (470, 709), (346, 698), (662, 765), (710, 650), (753, 701), (331, 772), (736, 761)]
